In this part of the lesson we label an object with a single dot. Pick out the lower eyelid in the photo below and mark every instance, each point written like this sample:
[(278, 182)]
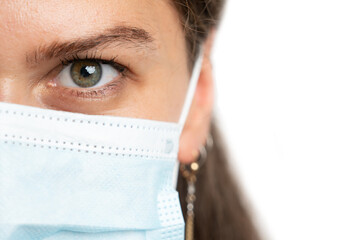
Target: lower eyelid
[(99, 93), (81, 101), (108, 90)]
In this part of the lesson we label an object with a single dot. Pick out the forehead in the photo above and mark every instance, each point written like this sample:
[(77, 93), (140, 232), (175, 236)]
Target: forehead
[(67, 16), (25, 23)]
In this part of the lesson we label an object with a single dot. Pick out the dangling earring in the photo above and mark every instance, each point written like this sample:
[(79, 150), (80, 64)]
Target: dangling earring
[(189, 172)]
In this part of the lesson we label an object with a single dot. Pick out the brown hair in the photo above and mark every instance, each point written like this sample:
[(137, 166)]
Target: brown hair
[(198, 18), (220, 211)]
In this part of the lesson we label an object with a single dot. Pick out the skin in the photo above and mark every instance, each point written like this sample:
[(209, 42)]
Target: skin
[(153, 85)]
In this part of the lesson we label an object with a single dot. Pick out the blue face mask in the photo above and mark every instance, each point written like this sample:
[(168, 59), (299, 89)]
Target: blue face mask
[(74, 176)]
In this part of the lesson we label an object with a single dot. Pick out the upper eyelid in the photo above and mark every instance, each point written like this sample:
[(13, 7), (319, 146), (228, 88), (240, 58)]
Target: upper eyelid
[(93, 56), (111, 61)]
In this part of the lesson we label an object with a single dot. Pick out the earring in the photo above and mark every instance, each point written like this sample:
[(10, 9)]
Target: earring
[(189, 172)]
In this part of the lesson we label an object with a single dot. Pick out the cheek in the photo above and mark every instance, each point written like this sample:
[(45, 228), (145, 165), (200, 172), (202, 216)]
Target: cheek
[(162, 97), (176, 95)]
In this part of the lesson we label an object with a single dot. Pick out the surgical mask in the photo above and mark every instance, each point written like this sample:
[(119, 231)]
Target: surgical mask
[(74, 176)]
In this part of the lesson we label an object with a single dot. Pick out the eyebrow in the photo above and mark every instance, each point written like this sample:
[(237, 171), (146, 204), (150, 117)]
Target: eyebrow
[(120, 35)]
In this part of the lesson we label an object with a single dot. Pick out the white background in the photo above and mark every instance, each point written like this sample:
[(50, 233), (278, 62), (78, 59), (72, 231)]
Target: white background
[(288, 98)]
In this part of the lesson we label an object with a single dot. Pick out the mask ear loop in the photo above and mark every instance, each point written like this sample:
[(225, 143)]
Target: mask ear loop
[(189, 171), (187, 104), (191, 90)]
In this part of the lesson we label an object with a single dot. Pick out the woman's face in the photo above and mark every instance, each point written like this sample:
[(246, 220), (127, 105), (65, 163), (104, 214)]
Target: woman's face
[(113, 57), (48, 50)]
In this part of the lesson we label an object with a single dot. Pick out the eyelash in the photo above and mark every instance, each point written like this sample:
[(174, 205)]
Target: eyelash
[(73, 58), (84, 93)]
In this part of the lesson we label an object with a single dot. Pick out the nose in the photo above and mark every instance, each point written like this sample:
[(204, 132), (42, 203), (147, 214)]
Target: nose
[(16, 90)]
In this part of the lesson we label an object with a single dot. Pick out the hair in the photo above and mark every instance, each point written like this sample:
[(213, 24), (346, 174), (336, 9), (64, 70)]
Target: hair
[(198, 18), (220, 210)]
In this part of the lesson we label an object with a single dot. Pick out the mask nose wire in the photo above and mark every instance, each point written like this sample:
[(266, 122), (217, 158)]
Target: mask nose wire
[(191, 90)]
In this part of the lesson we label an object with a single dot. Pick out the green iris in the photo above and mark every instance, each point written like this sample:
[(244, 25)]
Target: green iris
[(86, 73)]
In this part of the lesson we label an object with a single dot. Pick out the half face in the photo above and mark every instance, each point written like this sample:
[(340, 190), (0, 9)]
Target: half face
[(114, 57)]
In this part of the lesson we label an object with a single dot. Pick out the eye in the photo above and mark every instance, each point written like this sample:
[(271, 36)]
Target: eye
[(88, 74)]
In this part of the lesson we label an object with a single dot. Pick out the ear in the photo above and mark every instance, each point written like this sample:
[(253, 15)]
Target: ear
[(197, 125)]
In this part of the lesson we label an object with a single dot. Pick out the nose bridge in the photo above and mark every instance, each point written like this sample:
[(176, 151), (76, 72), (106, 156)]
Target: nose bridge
[(12, 59), (10, 89), (13, 69), (14, 77)]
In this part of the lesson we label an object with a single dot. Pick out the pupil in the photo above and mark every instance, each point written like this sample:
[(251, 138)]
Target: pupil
[(87, 71)]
